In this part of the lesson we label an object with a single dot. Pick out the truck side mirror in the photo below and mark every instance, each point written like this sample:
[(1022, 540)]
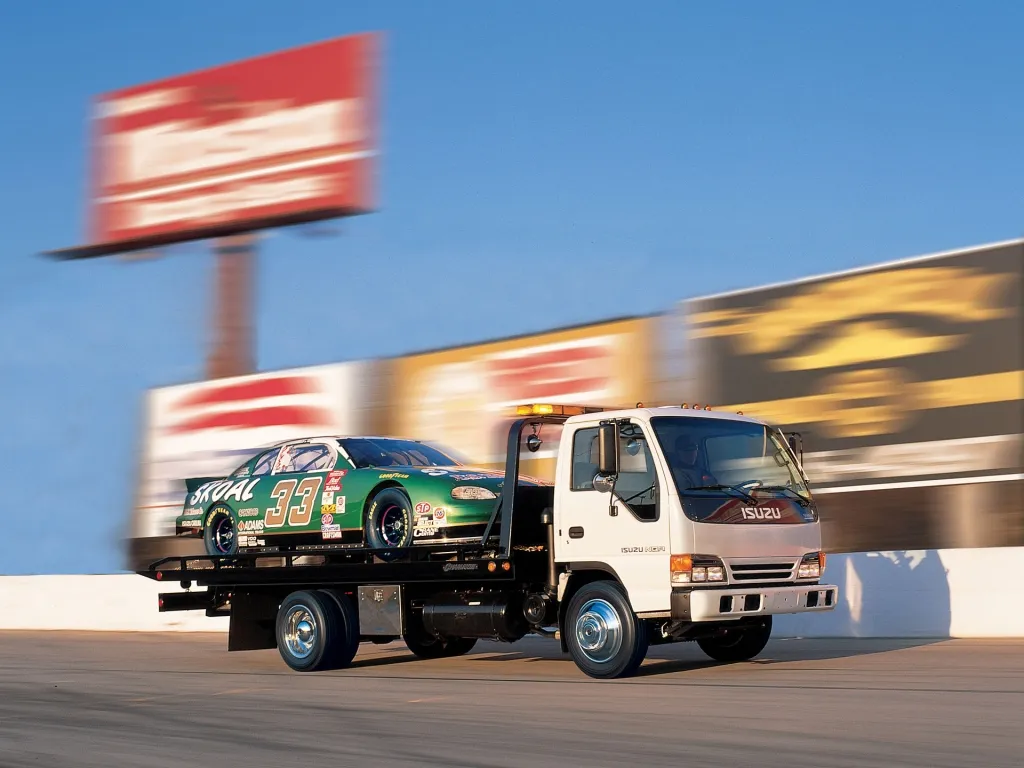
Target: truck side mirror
[(607, 450)]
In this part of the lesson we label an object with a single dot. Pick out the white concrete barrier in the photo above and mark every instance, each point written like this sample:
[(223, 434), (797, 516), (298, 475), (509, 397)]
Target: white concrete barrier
[(927, 593), (116, 603)]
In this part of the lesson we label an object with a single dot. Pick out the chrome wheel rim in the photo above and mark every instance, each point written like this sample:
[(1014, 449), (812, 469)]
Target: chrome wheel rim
[(223, 534), (300, 634), (392, 526), (599, 631)]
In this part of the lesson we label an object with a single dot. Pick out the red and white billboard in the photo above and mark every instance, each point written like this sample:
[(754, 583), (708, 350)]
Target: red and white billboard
[(278, 139), (209, 428)]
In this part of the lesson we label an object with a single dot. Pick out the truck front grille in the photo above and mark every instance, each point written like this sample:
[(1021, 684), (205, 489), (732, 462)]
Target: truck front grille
[(759, 572)]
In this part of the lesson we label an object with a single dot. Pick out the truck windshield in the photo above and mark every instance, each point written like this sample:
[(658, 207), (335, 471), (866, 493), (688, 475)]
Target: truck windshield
[(391, 452), (716, 455)]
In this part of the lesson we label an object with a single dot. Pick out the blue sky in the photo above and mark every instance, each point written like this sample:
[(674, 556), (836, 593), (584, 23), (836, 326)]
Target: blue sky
[(534, 154)]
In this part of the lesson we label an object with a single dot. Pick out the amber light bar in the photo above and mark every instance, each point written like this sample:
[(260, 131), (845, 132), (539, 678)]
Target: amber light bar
[(549, 409)]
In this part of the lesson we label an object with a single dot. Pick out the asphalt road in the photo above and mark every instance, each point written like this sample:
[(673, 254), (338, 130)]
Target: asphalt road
[(79, 699)]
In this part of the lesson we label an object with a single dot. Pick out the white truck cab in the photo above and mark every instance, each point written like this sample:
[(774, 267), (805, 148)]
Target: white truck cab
[(702, 517)]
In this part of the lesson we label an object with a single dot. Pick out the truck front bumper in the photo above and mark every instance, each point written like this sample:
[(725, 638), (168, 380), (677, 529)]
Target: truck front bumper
[(738, 603)]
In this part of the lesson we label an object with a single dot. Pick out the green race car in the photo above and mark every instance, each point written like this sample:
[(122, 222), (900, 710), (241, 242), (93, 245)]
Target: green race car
[(379, 492)]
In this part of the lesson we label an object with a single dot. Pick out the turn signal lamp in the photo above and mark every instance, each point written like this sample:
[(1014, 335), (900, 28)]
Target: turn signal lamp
[(492, 566), (812, 566), (684, 569)]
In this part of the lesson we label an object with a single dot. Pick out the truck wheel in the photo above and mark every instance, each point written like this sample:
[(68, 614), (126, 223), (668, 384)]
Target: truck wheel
[(316, 631), (220, 535), (389, 522), (605, 638), (426, 646), (739, 644)]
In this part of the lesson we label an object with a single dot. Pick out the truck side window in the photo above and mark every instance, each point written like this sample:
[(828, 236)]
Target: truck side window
[(637, 484), (584, 459)]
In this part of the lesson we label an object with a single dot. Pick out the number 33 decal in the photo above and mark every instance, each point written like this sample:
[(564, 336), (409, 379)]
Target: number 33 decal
[(299, 514)]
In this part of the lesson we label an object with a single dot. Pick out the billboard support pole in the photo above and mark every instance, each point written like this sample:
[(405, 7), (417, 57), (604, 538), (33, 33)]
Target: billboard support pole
[(232, 348)]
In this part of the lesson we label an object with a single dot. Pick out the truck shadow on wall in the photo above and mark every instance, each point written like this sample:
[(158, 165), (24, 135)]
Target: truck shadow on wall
[(882, 595)]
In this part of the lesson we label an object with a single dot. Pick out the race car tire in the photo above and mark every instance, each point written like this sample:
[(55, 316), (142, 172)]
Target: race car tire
[(220, 533), (389, 522), (313, 632), (605, 637), (426, 646), (740, 643)]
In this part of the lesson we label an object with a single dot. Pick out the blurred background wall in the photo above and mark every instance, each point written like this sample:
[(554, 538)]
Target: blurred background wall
[(906, 381)]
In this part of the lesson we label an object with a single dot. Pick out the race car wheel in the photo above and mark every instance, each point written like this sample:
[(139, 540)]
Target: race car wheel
[(388, 524), (740, 643), (606, 639), (426, 646), (316, 631), (220, 534)]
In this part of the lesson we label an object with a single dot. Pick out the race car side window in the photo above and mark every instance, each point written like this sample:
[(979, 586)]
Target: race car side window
[(314, 457), (266, 463)]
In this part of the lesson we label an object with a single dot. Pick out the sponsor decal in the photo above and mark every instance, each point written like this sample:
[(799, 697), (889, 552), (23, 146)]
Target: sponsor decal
[(243, 472), (439, 513), (340, 505), (255, 526), (434, 472), (192, 512), (393, 476), (249, 512), (191, 523), (328, 509), (327, 519), (422, 508), (334, 480), (221, 490), (327, 497), (643, 550), (421, 531), (330, 531)]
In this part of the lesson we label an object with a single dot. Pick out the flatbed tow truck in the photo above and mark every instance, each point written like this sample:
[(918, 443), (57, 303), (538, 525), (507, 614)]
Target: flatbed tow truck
[(662, 525)]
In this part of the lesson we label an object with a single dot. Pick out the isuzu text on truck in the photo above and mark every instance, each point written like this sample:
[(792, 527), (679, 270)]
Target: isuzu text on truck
[(662, 525)]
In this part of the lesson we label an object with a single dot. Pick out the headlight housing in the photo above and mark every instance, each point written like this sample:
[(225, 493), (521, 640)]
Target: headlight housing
[(812, 566), (696, 569), (472, 493)]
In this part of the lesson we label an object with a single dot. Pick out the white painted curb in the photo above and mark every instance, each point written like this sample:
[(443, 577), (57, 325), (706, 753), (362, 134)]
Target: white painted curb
[(927, 593)]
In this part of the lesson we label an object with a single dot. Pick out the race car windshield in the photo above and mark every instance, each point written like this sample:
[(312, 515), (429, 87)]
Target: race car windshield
[(719, 455), (369, 453)]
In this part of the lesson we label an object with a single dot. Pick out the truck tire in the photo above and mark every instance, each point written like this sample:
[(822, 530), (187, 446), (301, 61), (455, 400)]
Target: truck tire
[(426, 646), (739, 644), (389, 522), (220, 534), (315, 632), (605, 638)]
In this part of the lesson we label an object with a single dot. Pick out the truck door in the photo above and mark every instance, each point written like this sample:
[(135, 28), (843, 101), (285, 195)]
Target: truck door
[(627, 531)]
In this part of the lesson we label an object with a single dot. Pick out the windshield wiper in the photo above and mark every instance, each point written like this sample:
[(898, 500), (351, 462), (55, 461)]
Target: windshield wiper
[(734, 488), (786, 489)]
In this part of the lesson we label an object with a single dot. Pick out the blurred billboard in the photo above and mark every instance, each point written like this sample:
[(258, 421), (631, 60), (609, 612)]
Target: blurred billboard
[(461, 397), (278, 139), (906, 381), (209, 428)]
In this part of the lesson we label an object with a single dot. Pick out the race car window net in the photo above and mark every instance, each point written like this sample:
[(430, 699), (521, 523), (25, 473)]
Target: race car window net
[(388, 452)]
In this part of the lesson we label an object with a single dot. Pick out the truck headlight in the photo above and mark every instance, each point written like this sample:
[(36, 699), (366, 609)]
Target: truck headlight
[(812, 566), (696, 569), (472, 492)]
